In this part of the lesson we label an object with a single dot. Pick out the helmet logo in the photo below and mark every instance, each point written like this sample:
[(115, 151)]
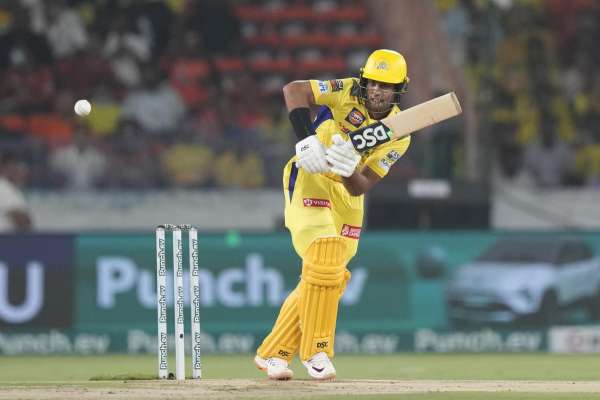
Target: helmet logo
[(382, 65)]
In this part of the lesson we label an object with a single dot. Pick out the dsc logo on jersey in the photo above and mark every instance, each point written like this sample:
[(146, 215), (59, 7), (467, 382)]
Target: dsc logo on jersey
[(284, 354), (370, 136)]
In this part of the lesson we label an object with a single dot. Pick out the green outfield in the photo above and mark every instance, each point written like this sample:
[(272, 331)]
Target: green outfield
[(405, 376)]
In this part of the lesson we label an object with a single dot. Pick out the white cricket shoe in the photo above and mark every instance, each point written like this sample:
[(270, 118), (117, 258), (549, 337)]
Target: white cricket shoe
[(276, 368), (320, 367)]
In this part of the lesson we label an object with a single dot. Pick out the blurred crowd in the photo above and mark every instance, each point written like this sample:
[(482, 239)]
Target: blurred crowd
[(164, 115), (187, 93), (533, 68)]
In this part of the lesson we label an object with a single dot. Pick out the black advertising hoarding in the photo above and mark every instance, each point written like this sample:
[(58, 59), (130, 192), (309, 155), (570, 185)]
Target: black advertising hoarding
[(36, 281)]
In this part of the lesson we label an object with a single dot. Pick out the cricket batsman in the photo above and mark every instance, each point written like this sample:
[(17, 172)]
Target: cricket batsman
[(324, 186)]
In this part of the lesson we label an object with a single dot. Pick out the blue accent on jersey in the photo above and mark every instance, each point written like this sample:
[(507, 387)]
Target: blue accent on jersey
[(292, 182), (323, 115)]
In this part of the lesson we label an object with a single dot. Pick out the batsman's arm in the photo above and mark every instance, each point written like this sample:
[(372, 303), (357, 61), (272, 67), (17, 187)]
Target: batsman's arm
[(344, 161), (310, 152), (299, 98), (360, 182), (298, 94)]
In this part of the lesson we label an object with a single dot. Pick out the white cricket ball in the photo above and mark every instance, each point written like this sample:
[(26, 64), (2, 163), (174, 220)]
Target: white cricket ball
[(82, 107)]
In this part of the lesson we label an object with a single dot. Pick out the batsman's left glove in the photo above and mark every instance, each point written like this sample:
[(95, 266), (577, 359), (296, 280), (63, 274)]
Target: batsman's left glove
[(310, 155)]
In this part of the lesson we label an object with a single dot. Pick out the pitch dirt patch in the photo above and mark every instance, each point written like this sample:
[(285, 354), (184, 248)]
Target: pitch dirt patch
[(296, 389)]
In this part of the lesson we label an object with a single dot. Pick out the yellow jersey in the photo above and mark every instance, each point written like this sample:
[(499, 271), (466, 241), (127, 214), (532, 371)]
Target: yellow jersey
[(342, 113)]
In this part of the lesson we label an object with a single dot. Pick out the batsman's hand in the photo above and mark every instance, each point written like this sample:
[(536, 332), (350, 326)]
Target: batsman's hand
[(310, 154), (342, 157)]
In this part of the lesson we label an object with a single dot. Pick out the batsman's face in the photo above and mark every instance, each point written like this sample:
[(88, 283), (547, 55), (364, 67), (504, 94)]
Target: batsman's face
[(379, 96)]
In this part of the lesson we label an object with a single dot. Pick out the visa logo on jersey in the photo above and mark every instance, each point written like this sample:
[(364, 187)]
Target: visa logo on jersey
[(370, 136), (316, 203)]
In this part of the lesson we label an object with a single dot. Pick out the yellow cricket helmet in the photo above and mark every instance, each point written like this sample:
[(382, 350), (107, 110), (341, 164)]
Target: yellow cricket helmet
[(387, 66)]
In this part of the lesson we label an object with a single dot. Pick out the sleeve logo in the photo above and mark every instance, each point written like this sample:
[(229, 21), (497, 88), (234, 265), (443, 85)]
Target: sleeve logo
[(323, 88), (393, 156), (336, 85), (355, 117), (384, 164)]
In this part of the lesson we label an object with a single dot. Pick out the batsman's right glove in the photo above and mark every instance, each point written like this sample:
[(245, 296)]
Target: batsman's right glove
[(342, 157)]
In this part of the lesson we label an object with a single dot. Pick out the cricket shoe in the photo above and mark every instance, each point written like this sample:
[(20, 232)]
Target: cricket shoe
[(276, 368), (320, 367)]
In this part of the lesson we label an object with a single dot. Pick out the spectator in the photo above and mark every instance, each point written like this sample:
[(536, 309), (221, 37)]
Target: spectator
[(509, 150), (79, 165), (237, 168), (66, 32), (155, 107), (104, 120), (14, 215), (126, 49), (133, 159), (207, 123), (20, 39), (188, 165), (549, 160), (587, 164)]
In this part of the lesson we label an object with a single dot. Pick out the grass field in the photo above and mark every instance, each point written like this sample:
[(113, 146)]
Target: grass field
[(404, 376)]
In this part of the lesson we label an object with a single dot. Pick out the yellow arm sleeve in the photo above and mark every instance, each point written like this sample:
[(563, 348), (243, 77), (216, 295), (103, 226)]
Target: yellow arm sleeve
[(330, 93), (382, 159)]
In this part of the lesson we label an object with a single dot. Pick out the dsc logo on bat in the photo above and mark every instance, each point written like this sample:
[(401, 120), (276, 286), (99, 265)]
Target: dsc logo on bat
[(370, 136)]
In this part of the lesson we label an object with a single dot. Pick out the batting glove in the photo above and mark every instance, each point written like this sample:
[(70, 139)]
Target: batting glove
[(342, 157), (310, 155)]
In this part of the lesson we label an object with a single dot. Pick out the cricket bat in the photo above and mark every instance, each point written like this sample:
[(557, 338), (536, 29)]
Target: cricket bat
[(406, 122)]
